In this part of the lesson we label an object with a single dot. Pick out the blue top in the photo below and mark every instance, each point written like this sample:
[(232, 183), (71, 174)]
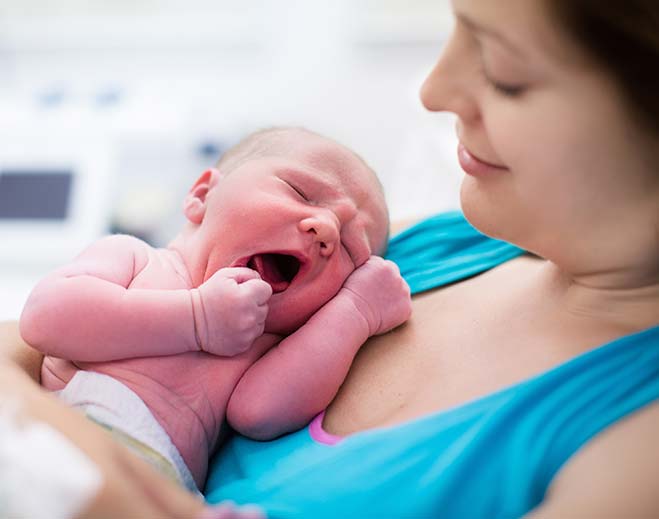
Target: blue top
[(493, 457)]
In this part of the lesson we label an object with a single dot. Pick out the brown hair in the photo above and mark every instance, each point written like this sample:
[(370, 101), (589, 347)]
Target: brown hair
[(622, 36)]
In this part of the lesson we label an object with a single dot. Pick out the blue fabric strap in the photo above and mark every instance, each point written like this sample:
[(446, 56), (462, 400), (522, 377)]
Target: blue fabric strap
[(443, 249)]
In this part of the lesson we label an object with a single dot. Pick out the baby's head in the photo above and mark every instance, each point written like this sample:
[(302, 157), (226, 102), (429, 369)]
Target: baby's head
[(301, 209), (284, 141)]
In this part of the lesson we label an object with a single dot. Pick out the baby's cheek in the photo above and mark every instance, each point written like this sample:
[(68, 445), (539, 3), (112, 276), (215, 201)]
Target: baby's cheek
[(291, 309)]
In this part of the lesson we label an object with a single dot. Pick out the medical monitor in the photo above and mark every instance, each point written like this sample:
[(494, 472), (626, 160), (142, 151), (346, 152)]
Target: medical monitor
[(43, 195), (54, 198)]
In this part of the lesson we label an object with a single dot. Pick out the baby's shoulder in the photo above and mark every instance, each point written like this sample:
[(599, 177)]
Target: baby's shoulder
[(125, 242), (121, 249), (122, 240)]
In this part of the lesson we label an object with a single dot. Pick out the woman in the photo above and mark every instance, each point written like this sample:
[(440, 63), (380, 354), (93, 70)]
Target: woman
[(525, 385)]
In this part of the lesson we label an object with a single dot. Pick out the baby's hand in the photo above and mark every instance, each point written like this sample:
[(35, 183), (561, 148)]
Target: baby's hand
[(380, 293), (230, 310)]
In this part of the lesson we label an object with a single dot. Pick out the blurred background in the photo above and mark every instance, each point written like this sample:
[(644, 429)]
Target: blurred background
[(110, 110)]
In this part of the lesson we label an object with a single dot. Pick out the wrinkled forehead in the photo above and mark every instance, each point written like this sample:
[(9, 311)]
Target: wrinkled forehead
[(356, 180)]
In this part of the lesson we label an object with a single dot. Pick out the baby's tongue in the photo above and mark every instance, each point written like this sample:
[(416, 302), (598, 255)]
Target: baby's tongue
[(269, 271)]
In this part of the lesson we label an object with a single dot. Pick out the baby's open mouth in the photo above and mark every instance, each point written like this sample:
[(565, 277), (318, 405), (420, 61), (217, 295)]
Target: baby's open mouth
[(278, 270)]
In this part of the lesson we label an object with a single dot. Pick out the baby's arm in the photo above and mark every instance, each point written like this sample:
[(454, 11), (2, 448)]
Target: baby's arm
[(296, 380), (84, 311)]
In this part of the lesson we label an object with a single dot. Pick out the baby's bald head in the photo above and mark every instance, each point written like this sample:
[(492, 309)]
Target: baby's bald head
[(288, 141)]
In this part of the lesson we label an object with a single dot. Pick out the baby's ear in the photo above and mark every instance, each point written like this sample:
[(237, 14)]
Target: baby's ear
[(194, 204)]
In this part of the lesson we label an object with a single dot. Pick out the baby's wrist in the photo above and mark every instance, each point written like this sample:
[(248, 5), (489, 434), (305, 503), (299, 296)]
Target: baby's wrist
[(360, 307), (198, 321)]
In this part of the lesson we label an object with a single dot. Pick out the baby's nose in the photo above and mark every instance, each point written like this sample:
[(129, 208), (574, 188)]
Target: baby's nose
[(324, 228)]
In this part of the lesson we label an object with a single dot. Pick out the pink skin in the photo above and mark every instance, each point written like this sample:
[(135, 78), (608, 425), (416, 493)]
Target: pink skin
[(380, 294), (273, 396), (334, 230), (141, 315), (234, 306)]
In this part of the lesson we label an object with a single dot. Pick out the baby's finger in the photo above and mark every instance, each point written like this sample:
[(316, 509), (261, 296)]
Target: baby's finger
[(239, 274), (260, 328), (258, 290)]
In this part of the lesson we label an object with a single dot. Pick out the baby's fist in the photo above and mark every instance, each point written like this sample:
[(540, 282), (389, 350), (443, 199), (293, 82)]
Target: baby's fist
[(380, 293), (230, 310)]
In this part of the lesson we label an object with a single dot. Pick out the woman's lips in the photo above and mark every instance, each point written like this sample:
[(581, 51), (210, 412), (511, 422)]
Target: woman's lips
[(474, 166)]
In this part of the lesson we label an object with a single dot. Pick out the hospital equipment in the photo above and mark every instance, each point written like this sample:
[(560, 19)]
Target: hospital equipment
[(54, 199)]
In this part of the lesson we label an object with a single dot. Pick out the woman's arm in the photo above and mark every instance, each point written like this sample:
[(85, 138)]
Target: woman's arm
[(128, 486), (14, 349), (614, 475)]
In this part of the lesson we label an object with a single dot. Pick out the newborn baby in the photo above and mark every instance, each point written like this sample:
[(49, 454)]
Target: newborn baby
[(251, 315)]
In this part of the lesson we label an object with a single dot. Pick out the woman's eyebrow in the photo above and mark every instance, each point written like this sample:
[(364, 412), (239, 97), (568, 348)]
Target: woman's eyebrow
[(478, 28)]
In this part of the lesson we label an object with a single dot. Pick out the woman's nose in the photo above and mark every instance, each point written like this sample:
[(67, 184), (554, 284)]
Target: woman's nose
[(324, 229), (450, 85)]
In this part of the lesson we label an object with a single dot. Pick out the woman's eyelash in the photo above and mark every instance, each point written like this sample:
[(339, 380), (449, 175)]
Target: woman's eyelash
[(503, 88), (507, 90)]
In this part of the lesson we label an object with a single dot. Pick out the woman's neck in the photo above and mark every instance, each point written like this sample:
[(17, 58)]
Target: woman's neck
[(629, 300)]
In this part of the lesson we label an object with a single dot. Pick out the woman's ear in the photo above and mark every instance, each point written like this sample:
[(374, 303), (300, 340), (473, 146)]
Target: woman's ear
[(194, 204)]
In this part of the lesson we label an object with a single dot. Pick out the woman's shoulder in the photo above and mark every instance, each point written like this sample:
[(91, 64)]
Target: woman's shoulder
[(610, 475)]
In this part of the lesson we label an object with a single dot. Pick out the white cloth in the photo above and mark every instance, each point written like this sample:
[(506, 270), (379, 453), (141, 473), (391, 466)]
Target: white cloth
[(111, 403), (42, 474)]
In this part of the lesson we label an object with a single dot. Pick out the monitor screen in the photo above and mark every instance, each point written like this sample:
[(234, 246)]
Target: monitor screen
[(35, 195)]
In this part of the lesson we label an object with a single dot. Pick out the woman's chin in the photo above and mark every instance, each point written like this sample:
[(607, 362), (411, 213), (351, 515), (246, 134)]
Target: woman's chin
[(498, 219), (478, 210)]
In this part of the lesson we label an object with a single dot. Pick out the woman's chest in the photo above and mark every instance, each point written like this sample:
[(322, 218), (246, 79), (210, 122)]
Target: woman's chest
[(462, 343)]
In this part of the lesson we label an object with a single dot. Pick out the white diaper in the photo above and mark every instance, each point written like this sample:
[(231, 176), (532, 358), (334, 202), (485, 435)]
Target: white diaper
[(118, 408)]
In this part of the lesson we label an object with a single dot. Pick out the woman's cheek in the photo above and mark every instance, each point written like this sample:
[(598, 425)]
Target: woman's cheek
[(510, 130)]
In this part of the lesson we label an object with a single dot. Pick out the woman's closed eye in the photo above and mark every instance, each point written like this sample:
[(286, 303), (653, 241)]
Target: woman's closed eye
[(507, 90), (500, 87)]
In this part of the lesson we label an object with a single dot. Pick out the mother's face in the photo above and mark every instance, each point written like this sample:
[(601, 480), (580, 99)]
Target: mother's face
[(570, 173)]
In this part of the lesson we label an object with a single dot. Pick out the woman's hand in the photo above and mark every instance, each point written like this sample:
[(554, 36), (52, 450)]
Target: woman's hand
[(129, 486)]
